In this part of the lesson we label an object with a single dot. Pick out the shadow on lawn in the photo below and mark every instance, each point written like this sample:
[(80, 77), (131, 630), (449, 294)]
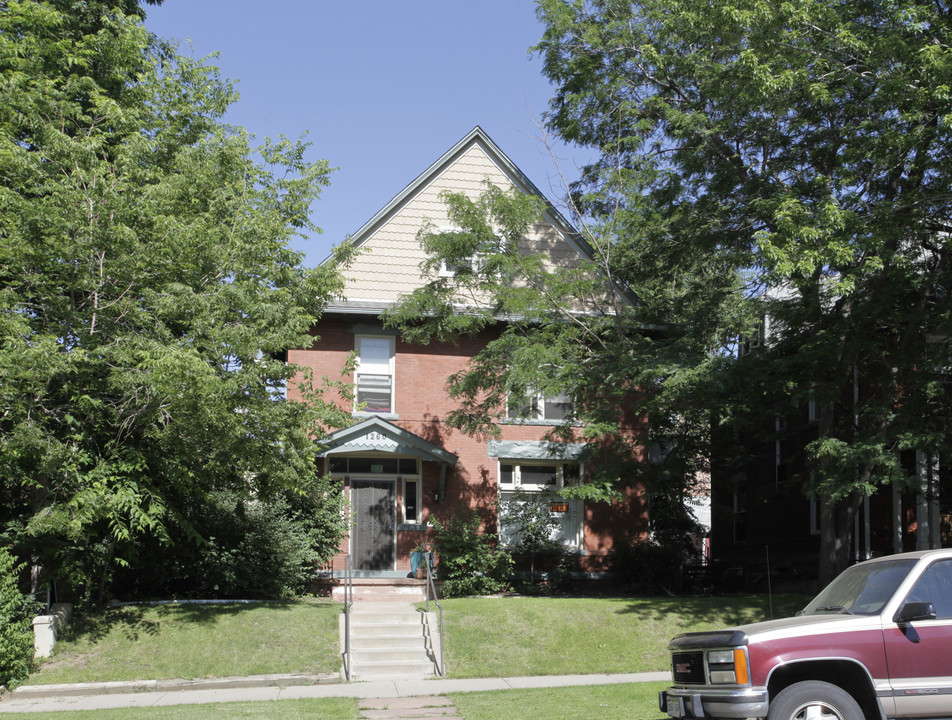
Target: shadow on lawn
[(723, 611), (134, 621)]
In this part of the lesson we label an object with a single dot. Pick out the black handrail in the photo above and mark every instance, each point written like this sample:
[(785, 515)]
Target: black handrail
[(431, 588), (348, 602)]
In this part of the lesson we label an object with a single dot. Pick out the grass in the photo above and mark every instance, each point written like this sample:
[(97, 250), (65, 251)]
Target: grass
[(605, 702), (196, 641), (487, 637), (307, 709)]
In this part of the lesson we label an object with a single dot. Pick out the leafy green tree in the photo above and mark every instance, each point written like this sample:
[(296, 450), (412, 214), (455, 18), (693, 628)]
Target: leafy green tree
[(568, 329), (802, 147), (147, 290), (16, 626)]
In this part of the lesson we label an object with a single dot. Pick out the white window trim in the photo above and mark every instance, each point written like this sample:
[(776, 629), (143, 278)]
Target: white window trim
[(418, 520), (574, 534), (537, 410), (517, 483), (391, 340)]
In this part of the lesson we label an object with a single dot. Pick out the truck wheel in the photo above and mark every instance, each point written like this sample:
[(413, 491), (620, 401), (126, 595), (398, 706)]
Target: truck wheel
[(814, 700)]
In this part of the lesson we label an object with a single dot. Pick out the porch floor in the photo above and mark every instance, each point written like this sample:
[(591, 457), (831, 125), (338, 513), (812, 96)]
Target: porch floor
[(383, 589)]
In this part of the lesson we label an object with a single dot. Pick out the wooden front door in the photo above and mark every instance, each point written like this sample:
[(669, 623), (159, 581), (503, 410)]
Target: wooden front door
[(374, 524)]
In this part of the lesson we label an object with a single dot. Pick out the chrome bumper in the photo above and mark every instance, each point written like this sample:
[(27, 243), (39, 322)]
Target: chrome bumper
[(712, 703)]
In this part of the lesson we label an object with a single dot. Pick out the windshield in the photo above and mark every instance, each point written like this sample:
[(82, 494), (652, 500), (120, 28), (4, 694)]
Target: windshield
[(862, 589)]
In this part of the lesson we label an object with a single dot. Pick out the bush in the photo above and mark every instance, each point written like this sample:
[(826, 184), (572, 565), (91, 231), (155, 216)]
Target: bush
[(470, 563), (646, 568), (532, 532), (251, 549), (16, 624)]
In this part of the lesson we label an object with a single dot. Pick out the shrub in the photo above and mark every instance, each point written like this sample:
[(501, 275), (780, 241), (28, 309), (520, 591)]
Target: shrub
[(470, 563), (251, 548), (531, 528), (646, 568), (16, 626)]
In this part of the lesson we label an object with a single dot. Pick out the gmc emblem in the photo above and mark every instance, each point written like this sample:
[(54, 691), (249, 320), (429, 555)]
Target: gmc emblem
[(683, 667)]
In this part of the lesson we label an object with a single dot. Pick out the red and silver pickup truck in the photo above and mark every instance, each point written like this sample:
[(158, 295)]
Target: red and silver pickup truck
[(874, 644)]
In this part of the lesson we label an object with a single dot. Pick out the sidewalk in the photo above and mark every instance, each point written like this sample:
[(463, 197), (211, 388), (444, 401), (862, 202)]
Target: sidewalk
[(101, 696)]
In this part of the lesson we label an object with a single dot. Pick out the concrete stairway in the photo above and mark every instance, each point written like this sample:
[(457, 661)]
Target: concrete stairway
[(388, 640)]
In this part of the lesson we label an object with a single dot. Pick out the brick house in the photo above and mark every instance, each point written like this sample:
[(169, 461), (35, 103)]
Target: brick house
[(399, 462)]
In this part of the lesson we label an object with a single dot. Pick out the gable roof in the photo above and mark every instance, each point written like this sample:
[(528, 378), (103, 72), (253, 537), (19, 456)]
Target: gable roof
[(410, 204), (476, 136), (378, 435)]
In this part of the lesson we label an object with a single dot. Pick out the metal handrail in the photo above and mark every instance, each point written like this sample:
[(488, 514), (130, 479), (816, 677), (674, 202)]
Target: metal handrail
[(431, 587), (348, 602)]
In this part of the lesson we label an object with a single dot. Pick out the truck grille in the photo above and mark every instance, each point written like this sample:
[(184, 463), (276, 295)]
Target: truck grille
[(688, 667)]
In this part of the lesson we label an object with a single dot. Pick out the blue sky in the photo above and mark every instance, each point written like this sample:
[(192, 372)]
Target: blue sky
[(382, 88)]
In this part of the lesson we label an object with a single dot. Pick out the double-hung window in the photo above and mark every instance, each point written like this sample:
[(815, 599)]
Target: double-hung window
[(532, 481), (541, 408), (374, 374)]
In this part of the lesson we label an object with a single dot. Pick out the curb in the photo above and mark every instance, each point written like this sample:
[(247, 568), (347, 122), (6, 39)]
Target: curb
[(28, 692)]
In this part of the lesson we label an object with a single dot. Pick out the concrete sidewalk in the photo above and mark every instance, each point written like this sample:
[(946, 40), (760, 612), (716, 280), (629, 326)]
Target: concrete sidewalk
[(100, 696)]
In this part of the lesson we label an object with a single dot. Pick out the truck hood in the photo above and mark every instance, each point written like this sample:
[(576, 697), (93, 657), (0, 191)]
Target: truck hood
[(775, 629)]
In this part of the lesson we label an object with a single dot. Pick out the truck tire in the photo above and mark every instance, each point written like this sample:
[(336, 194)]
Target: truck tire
[(814, 700)]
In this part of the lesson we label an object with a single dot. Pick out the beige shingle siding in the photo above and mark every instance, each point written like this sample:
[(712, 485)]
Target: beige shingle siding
[(389, 263)]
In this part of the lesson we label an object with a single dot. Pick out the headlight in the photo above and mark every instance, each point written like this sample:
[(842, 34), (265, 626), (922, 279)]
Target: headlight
[(727, 667)]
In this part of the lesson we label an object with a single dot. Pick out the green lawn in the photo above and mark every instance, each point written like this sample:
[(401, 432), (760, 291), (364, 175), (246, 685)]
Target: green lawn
[(514, 636), (320, 709), (605, 702), (196, 641), (485, 637)]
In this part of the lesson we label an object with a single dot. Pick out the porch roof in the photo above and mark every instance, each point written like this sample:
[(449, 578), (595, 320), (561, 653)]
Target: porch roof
[(378, 435)]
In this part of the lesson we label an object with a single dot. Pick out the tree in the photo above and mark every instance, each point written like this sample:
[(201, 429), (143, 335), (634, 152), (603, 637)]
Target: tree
[(804, 148), (147, 290), (16, 624), (566, 329)]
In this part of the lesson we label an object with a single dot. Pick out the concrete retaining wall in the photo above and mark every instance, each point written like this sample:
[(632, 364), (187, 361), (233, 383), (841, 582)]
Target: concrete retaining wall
[(46, 628)]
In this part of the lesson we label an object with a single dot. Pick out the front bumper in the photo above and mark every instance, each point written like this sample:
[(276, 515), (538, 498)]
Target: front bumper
[(707, 702)]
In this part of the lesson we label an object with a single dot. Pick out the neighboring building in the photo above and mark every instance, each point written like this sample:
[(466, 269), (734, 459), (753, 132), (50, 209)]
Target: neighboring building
[(763, 518), (400, 463)]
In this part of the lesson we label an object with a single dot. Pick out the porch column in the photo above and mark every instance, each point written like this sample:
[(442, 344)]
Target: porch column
[(927, 502), (897, 519)]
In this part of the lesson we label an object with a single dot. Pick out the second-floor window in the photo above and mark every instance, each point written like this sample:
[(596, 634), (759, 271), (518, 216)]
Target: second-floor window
[(539, 407), (374, 374)]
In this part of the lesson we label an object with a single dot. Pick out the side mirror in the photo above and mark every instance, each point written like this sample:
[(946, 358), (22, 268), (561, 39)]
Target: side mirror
[(915, 611)]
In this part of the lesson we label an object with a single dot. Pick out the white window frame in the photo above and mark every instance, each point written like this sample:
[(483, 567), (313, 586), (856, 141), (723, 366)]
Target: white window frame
[(389, 370), (573, 532), (537, 402), (418, 480), (475, 260), (517, 483)]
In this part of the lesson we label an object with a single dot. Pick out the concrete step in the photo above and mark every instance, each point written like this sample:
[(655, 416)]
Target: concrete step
[(374, 656), (361, 670), (397, 642), (388, 640)]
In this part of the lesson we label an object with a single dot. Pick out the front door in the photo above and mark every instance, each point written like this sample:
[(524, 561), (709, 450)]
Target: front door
[(372, 532)]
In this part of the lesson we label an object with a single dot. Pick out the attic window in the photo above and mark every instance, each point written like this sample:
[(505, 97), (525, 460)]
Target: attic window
[(453, 269)]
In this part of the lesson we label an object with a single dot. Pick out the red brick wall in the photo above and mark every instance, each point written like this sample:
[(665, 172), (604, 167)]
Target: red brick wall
[(421, 402)]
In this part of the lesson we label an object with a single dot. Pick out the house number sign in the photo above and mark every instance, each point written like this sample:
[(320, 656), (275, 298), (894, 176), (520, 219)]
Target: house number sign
[(376, 436), (559, 507)]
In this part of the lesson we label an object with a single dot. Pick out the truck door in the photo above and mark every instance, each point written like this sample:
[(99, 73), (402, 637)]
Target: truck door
[(918, 652)]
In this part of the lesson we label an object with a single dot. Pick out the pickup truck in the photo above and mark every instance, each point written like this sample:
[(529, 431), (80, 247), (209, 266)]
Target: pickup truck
[(876, 643)]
